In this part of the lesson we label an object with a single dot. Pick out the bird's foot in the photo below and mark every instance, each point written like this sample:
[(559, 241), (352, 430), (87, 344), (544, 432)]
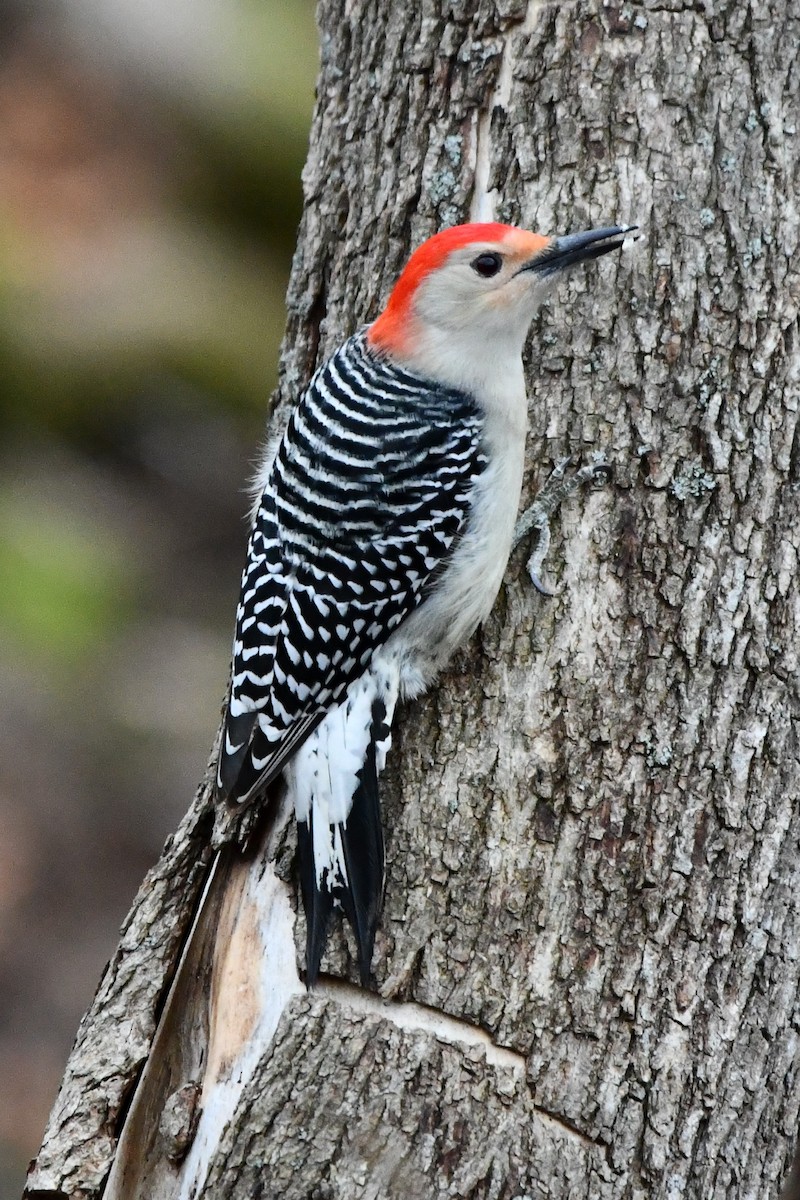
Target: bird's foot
[(559, 485)]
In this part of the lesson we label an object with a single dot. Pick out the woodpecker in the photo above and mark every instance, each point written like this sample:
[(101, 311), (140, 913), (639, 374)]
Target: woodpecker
[(379, 543)]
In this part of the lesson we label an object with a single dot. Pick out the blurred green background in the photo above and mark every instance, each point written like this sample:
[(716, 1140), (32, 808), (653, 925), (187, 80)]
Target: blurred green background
[(150, 160)]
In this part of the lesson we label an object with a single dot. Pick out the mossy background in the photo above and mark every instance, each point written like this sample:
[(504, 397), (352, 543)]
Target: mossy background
[(150, 160)]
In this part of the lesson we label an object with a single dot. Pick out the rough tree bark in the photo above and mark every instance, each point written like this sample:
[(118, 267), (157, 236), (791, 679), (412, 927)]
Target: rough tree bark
[(588, 959)]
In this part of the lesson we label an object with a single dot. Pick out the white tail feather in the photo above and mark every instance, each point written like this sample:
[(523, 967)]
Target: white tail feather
[(323, 776)]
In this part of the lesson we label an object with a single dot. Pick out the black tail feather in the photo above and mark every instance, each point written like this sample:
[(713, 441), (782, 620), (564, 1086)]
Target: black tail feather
[(362, 843), (362, 840), (317, 902)]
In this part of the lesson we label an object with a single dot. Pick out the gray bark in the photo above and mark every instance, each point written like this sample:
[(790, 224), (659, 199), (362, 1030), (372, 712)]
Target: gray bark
[(588, 959)]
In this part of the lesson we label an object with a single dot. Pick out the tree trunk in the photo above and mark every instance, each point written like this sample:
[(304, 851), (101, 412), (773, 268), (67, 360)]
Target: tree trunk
[(587, 961)]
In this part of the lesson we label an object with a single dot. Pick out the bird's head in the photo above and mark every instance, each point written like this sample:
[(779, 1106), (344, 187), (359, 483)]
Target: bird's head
[(467, 296)]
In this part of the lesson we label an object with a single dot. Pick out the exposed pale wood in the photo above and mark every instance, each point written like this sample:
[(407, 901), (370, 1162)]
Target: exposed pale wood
[(593, 823)]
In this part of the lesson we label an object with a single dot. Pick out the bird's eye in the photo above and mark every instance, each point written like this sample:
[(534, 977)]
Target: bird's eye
[(487, 265)]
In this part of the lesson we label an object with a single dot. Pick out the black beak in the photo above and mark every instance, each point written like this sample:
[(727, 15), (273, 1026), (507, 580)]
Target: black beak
[(578, 247)]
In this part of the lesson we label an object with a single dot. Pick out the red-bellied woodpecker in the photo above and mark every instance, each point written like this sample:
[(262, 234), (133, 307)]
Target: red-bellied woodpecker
[(384, 527)]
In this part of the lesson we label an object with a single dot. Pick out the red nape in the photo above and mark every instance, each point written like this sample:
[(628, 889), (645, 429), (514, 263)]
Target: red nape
[(387, 332)]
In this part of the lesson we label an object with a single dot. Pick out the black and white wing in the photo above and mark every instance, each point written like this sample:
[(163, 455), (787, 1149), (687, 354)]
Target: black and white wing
[(368, 493)]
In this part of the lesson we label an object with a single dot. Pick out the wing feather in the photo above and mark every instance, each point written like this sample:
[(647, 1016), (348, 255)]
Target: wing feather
[(342, 551)]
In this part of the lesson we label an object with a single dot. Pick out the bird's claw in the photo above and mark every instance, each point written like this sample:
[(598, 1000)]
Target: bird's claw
[(542, 588), (557, 487)]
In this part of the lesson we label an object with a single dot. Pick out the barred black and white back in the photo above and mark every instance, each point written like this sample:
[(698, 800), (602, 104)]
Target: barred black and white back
[(366, 500)]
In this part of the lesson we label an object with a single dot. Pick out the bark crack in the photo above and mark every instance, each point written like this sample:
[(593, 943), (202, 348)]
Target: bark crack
[(566, 1126), (410, 1015), (483, 202), (415, 1016)]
